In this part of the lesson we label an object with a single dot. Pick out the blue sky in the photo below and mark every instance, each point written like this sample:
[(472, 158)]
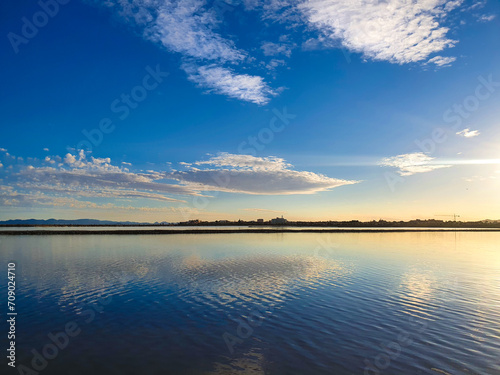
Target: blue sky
[(224, 110)]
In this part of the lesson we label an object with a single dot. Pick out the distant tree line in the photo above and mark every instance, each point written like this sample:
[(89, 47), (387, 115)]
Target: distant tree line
[(417, 223)]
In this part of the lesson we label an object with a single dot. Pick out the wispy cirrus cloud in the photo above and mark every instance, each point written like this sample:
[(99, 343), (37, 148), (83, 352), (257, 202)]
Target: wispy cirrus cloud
[(477, 5), (183, 26), (398, 31), (409, 164), (189, 28), (467, 133), (274, 49), (442, 61), (224, 81), (487, 17)]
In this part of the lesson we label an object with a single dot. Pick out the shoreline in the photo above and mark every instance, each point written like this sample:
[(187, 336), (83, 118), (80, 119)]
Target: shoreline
[(234, 231)]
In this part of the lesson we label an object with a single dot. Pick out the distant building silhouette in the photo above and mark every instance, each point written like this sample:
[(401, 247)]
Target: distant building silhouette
[(279, 220), (260, 220)]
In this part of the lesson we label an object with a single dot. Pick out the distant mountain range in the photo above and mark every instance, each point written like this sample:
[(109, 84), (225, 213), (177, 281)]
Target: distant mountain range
[(68, 222)]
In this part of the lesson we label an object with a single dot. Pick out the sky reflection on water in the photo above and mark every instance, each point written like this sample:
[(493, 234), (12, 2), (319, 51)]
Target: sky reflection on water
[(167, 304)]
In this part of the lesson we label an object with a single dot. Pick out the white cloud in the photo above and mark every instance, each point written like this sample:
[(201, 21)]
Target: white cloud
[(224, 81), (246, 162), (274, 63), (3, 149), (94, 178), (280, 11), (487, 18), (399, 31), (79, 181), (442, 61), (255, 175), (183, 26), (69, 159), (273, 49), (477, 178), (46, 149), (477, 4), (467, 133), (409, 164), (189, 27)]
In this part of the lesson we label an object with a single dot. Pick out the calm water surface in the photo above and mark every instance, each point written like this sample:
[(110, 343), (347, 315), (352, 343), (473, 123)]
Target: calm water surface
[(290, 303)]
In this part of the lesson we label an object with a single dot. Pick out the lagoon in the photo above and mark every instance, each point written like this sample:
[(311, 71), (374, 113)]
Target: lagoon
[(258, 303)]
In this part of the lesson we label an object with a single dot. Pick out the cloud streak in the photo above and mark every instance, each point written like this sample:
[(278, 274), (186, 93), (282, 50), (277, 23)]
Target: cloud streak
[(442, 61), (487, 18), (224, 81), (467, 133), (409, 164)]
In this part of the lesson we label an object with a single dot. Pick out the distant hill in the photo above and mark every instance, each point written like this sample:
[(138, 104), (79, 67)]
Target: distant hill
[(68, 222)]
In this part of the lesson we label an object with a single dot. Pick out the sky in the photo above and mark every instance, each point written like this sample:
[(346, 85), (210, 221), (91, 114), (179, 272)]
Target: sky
[(149, 110)]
